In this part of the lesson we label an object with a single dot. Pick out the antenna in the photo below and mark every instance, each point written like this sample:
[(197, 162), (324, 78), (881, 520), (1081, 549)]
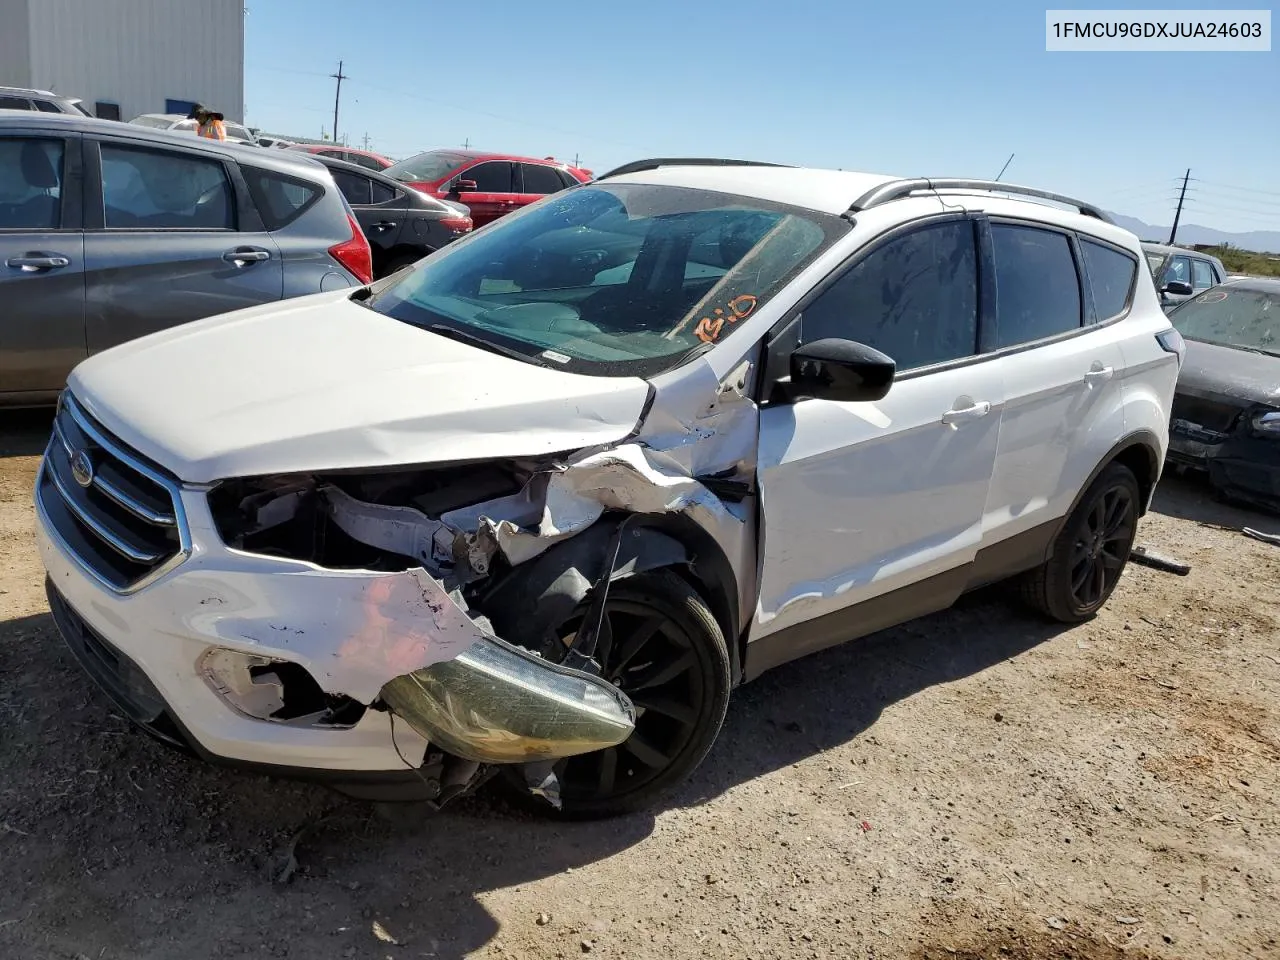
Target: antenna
[(1005, 167)]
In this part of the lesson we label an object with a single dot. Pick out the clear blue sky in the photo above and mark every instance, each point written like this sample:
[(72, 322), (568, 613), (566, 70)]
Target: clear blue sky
[(907, 87)]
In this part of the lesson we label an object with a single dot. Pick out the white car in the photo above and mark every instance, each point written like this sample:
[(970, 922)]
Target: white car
[(539, 502), (181, 124)]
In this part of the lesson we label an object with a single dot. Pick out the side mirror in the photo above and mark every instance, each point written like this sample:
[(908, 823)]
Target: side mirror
[(463, 186), (1179, 288), (835, 369)]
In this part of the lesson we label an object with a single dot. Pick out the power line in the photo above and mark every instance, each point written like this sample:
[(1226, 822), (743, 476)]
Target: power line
[(1228, 186)]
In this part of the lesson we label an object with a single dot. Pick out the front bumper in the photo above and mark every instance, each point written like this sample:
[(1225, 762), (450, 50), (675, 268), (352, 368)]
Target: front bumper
[(1240, 466), (353, 631)]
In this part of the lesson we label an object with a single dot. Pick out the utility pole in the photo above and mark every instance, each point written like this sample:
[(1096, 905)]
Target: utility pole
[(337, 95), (1173, 232), (466, 144), (1005, 167), (366, 141)]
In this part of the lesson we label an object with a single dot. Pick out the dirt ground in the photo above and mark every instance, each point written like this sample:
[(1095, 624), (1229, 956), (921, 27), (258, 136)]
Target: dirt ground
[(976, 784)]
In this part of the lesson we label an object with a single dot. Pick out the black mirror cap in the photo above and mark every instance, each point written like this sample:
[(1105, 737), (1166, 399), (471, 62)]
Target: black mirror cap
[(844, 370), (1179, 288), (463, 186)]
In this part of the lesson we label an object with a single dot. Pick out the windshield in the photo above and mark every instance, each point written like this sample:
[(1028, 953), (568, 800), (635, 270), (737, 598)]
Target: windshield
[(426, 167), (613, 279), (1232, 317)]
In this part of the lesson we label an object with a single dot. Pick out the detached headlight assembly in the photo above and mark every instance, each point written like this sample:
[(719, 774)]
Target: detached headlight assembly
[(1267, 423)]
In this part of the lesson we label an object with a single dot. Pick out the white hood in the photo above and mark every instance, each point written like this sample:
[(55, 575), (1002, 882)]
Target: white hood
[(321, 383)]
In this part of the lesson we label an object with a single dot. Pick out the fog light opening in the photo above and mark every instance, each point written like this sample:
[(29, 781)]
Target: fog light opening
[(276, 690)]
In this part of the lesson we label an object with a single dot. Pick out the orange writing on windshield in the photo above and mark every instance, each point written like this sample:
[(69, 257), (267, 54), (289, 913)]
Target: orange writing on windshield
[(739, 308)]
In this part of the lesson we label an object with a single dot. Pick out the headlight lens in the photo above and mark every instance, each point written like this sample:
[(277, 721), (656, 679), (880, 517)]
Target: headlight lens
[(1267, 423)]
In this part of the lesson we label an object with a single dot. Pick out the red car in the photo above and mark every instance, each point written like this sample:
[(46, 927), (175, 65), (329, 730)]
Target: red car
[(364, 158), (490, 184)]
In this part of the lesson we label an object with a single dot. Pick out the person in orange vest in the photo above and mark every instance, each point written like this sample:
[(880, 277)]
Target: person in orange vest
[(210, 124)]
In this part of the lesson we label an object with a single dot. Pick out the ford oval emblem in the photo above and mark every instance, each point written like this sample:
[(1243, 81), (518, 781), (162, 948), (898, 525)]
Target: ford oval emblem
[(82, 468)]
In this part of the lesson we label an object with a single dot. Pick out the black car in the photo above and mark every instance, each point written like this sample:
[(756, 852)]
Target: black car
[(402, 225), (1226, 414)]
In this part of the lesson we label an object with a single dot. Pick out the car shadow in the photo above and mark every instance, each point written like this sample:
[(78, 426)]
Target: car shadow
[(1188, 496), (25, 433), (111, 812)]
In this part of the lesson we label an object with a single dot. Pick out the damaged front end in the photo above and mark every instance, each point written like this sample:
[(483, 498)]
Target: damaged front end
[(447, 542)]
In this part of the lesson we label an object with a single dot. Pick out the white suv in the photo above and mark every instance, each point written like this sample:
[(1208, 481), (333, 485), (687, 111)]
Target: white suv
[(537, 504)]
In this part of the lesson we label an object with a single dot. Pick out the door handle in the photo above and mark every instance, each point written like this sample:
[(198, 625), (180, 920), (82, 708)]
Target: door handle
[(35, 264), (974, 411), (243, 256), (1099, 374), (384, 225)]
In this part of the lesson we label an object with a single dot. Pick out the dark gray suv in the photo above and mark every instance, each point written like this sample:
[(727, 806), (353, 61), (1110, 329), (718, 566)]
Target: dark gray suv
[(110, 231)]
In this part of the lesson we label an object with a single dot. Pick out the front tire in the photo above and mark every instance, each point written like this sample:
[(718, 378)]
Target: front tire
[(669, 655), (1090, 552)]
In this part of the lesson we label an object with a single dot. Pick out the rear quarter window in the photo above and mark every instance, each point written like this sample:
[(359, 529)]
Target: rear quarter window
[(1111, 278), (281, 199)]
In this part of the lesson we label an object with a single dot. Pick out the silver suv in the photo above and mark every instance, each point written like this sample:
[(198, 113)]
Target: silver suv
[(44, 101), (110, 231)]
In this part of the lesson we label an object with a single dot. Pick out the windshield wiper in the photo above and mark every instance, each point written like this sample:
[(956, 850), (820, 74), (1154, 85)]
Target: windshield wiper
[(463, 336)]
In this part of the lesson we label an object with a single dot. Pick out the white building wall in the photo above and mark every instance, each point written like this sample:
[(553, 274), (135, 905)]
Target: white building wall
[(15, 46), (137, 53)]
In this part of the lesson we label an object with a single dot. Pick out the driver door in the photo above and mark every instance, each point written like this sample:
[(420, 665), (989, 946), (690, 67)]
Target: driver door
[(873, 512), (170, 237)]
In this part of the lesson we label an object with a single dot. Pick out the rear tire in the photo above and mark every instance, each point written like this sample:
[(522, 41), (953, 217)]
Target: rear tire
[(668, 654), (1090, 552)]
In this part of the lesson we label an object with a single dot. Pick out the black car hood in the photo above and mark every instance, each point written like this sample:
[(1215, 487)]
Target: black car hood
[(1213, 371)]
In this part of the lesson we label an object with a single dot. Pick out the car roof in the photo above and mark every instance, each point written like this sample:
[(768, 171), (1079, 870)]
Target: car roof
[(485, 155), (1153, 247), (40, 93), (65, 123)]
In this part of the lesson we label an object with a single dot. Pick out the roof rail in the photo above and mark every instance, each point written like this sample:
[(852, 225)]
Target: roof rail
[(897, 189), (638, 166)]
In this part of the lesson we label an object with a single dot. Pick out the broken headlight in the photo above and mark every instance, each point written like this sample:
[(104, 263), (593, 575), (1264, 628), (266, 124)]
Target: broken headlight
[(1266, 423)]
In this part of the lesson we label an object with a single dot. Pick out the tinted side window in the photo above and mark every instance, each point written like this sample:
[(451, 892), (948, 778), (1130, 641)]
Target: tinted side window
[(1111, 276), (280, 199), (46, 106), (367, 162), (353, 186), (1037, 287), (915, 298), (15, 103), (157, 190), (1201, 274), (30, 184), (382, 193), (491, 177), (539, 179), (567, 178)]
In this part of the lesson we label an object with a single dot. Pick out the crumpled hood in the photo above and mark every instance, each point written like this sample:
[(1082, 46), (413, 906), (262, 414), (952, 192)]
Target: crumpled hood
[(1213, 371), (322, 383)]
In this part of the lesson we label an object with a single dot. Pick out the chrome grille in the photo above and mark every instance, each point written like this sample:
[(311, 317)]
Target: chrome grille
[(118, 516)]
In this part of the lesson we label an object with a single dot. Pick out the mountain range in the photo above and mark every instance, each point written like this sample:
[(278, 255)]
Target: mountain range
[(1259, 241)]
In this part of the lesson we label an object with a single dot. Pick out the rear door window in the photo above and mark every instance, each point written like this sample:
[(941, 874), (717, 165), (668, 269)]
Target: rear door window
[(493, 176), (1179, 269), (1111, 277), (280, 198), (1037, 286), (159, 190), (30, 183), (1201, 274), (355, 188), (46, 106), (540, 179), (15, 103)]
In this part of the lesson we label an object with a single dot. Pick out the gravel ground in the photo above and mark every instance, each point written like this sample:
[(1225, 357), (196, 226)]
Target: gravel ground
[(975, 784)]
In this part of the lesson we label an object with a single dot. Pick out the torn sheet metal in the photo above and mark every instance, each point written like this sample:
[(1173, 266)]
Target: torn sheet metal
[(624, 478)]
